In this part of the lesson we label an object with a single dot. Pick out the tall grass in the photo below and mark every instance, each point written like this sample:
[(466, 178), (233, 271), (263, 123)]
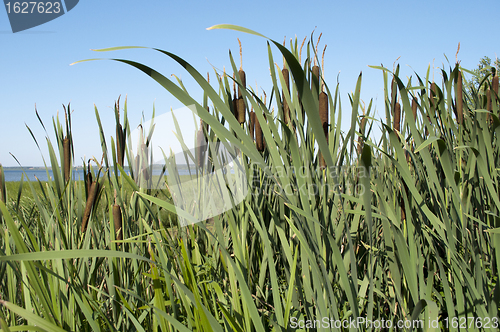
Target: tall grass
[(336, 225)]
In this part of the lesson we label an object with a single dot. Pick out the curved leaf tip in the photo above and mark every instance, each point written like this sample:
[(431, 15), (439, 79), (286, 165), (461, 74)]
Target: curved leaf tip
[(236, 28), (116, 48)]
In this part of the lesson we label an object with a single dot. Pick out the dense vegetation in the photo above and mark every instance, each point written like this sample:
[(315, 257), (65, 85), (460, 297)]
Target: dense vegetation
[(335, 225)]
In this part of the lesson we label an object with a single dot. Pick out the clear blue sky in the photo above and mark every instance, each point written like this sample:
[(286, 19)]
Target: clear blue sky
[(35, 64)]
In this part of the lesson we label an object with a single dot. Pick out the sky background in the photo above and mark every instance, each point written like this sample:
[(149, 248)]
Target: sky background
[(35, 64)]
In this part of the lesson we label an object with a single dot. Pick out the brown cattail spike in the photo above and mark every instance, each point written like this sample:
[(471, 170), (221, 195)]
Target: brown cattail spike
[(315, 79), (117, 219), (323, 116), (414, 108), (362, 132), (67, 158), (397, 117), (252, 125), (394, 94), (259, 138), (494, 89), (286, 108), (119, 144), (200, 146), (88, 179), (89, 204), (241, 101), (323, 112), (433, 96), (459, 98)]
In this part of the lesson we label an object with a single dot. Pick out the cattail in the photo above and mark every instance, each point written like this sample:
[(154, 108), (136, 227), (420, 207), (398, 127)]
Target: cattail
[(144, 161), (241, 101), (117, 219), (315, 78), (67, 158), (362, 132), (252, 124), (88, 205), (200, 146), (286, 107), (120, 144), (460, 101), (323, 112), (88, 179), (2, 188), (394, 94), (414, 108), (433, 96), (397, 117), (259, 138), (323, 116)]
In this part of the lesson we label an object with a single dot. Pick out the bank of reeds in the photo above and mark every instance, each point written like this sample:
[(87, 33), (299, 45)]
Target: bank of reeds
[(404, 229)]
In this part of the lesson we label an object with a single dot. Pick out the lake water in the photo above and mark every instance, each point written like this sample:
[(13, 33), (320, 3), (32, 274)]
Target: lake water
[(15, 173)]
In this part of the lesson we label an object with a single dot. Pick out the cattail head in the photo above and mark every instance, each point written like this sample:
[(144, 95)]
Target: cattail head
[(459, 99), (88, 179), (397, 117), (117, 219), (433, 95), (67, 158), (94, 188), (394, 94), (252, 125), (323, 116), (362, 132), (323, 112), (241, 101), (414, 108), (315, 78), (120, 144), (201, 144), (259, 137), (286, 107)]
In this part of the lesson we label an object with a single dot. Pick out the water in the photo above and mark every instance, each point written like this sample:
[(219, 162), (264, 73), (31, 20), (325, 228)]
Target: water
[(15, 173)]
